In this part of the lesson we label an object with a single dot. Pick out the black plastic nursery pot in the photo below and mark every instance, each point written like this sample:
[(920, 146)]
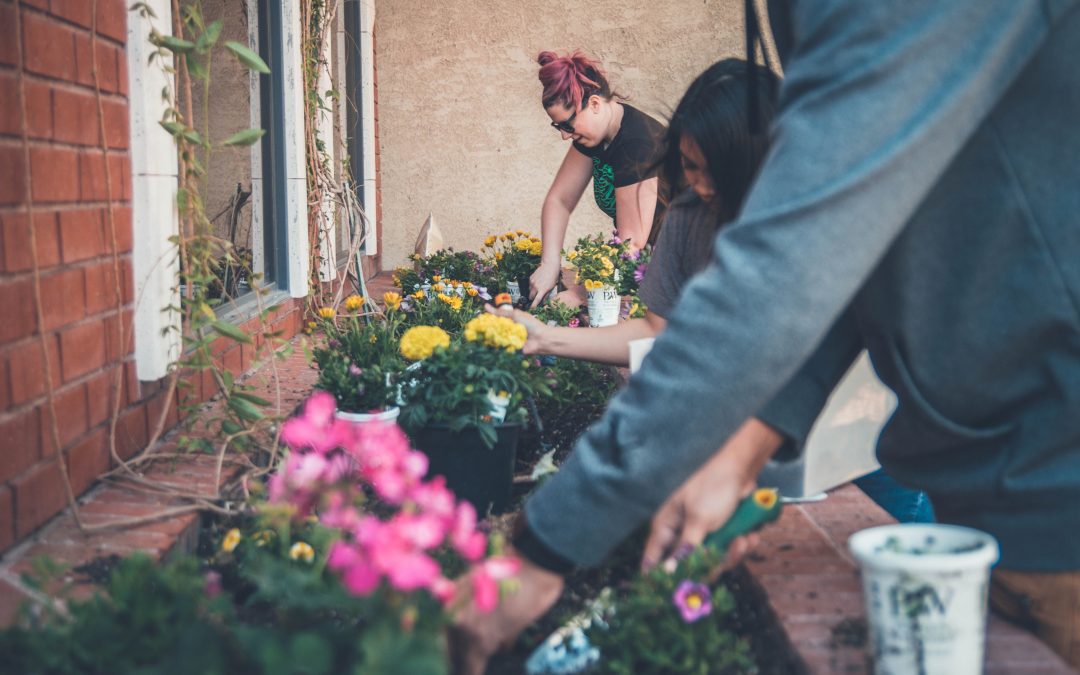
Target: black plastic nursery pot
[(481, 475)]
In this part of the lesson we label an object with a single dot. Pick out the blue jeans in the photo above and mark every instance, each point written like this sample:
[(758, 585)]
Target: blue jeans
[(902, 503)]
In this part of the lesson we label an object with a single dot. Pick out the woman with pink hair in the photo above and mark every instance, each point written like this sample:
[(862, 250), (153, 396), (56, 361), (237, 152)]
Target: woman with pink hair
[(614, 144)]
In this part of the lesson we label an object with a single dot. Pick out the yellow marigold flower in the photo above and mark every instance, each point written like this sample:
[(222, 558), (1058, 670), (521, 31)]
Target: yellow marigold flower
[(420, 341), (522, 245), (392, 300), (606, 262), (498, 256), (496, 331), (231, 540), (419, 295), (520, 233), (604, 272), (472, 292), (452, 300), (302, 550), (437, 278), (490, 241), (326, 313), (354, 303), (571, 255), (310, 327), (466, 284), (536, 248)]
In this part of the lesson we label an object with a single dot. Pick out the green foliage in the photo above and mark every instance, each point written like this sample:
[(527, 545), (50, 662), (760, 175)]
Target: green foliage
[(359, 362), (646, 634), (448, 264), (264, 612), (557, 313), (440, 306), (516, 254), (455, 386)]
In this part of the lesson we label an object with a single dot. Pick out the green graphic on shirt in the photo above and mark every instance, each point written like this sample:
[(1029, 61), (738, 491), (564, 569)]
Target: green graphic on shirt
[(603, 185)]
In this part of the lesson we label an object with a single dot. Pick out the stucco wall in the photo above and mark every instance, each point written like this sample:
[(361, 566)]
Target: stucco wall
[(462, 131)]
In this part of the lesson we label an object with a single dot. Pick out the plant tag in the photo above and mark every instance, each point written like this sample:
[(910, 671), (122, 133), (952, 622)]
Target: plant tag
[(499, 404)]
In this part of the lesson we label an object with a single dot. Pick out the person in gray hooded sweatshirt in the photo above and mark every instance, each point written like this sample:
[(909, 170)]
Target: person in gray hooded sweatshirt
[(921, 199)]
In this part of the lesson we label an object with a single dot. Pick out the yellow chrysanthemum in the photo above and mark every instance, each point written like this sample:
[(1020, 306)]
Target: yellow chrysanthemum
[(326, 313), (604, 272), (496, 331), (354, 303), (490, 241), (438, 288), (392, 300), (437, 278), (472, 292), (536, 248), (571, 255), (302, 550), (420, 341), (231, 540), (498, 256), (419, 295)]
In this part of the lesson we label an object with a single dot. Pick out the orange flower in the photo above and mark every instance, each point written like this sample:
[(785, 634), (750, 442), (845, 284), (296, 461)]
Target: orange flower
[(503, 299)]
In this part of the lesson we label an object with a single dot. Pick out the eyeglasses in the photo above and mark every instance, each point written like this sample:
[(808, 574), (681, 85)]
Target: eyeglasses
[(567, 125)]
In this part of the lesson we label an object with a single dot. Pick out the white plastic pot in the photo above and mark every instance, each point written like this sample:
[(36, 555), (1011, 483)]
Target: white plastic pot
[(925, 589), (388, 415), (514, 290), (603, 306)]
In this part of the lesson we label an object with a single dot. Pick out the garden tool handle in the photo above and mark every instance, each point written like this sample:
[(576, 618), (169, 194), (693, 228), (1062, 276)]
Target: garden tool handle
[(760, 507)]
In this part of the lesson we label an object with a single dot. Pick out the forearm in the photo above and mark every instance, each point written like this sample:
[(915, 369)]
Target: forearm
[(609, 344), (554, 219)]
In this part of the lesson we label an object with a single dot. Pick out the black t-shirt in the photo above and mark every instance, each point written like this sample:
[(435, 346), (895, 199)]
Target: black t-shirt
[(630, 158)]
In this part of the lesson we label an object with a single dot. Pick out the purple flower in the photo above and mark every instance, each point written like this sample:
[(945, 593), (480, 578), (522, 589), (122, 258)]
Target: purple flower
[(574, 323), (355, 371), (693, 600), (333, 344), (482, 292), (639, 273)]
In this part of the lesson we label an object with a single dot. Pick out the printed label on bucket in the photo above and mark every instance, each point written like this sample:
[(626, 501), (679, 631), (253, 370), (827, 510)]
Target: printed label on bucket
[(514, 290), (603, 306), (499, 404)]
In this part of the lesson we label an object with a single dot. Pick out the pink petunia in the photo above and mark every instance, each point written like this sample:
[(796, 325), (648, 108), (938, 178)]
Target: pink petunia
[(486, 578), (693, 600)]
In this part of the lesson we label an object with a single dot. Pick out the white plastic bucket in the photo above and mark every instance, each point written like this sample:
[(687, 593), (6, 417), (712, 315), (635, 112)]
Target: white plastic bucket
[(603, 306), (388, 415), (514, 290), (925, 589)]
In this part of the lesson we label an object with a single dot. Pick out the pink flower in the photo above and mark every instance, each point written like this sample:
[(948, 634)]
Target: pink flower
[(464, 537), (356, 571), (574, 323), (444, 590), (693, 600), (316, 428), (433, 497), (423, 530), (486, 578), (212, 584), (412, 571)]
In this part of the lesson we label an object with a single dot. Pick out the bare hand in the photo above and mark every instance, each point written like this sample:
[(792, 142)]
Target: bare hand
[(537, 328), (541, 282), (475, 636), (702, 504)]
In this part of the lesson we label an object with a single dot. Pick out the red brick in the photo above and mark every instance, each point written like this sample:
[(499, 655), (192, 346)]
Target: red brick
[(71, 418), (55, 174), (93, 180), (116, 124), (112, 19), (100, 397), (122, 75), (20, 444), (13, 180), (7, 524), (39, 495), (107, 56), (5, 388), (38, 107), (16, 299), (9, 53), (84, 67), (131, 434), (81, 234), (82, 349), (27, 371), (100, 288), (75, 117), (118, 345), (15, 241), (48, 47), (62, 298), (88, 460), (154, 409), (80, 12), (123, 227)]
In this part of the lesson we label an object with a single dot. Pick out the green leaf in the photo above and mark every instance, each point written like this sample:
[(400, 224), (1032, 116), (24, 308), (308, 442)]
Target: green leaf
[(231, 331), (252, 398), (248, 57), (173, 44), (196, 67), (231, 428), (245, 409), (209, 37), (245, 137)]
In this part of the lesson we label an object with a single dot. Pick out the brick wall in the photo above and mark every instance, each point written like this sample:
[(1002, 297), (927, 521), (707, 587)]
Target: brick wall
[(82, 318)]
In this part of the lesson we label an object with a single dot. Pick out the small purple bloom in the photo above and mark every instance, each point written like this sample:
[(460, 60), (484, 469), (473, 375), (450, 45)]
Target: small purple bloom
[(212, 584), (639, 273), (482, 293), (355, 370), (693, 600), (333, 344), (574, 323)]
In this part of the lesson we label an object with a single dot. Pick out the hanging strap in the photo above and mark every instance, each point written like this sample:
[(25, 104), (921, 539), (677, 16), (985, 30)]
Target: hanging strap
[(753, 39)]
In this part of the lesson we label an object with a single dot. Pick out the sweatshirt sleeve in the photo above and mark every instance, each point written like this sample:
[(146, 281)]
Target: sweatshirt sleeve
[(878, 98)]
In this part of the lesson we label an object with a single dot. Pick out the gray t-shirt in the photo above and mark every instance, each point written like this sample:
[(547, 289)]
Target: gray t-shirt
[(683, 249)]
